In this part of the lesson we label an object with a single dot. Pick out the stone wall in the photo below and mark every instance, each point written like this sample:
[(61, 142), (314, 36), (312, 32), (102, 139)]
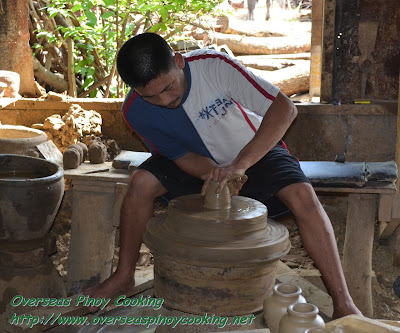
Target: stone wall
[(320, 132)]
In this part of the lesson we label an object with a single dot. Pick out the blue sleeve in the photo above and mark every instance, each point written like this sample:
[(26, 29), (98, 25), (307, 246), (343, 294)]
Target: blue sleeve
[(156, 126)]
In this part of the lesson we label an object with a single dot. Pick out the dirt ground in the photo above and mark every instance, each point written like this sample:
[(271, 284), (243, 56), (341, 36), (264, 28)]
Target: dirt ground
[(386, 302)]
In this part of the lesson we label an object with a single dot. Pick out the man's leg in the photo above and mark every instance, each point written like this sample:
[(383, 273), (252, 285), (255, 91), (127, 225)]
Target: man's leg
[(319, 241), (137, 209)]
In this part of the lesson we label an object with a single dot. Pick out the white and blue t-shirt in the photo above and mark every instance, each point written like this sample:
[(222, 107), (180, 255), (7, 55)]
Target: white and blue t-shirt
[(219, 114)]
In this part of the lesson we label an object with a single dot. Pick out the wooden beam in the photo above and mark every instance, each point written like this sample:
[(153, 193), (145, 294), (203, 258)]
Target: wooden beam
[(357, 253)]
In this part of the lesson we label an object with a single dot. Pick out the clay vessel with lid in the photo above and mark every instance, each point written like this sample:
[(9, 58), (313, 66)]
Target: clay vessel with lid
[(299, 318), (276, 304)]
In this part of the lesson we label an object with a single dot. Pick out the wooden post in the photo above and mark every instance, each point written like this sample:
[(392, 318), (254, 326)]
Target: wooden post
[(91, 248), (316, 49), (357, 253), (71, 69), (328, 43)]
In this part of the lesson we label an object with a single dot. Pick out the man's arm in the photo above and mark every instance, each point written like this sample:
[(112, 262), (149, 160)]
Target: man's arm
[(275, 123), (195, 165)]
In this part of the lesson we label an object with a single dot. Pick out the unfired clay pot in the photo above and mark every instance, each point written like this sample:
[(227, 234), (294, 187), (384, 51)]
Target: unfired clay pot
[(299, 318), (20, 140), (276, 304), (219, 261)]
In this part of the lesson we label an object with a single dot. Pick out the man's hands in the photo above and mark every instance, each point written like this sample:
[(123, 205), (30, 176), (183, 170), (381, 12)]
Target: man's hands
[(207, 169), (226, 173)]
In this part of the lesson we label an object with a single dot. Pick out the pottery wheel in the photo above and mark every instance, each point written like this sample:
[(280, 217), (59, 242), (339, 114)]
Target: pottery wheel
[(240, 235)]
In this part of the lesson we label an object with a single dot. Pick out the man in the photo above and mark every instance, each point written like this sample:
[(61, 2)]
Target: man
[(204, 116)]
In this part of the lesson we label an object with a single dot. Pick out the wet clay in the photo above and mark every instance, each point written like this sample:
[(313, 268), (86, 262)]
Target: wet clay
[(78, 148), (71, 158), (84, 150), (214, 200), (209, 255), (97, 153)]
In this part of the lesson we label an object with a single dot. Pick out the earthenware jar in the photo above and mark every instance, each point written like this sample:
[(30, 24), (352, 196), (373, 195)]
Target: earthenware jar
[(276, 304), (299, 318), (31, 190), (20, 140)]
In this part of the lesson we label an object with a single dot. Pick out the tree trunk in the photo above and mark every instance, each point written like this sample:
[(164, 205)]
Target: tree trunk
[(263, 45), (15, 53), (291, 80), (54, 80)]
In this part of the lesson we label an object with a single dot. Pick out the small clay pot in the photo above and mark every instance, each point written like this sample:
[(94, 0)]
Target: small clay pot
[(213, 200), (276, 304), (299, 318)]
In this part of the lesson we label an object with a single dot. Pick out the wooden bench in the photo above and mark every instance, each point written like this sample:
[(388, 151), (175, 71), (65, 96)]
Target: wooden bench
[(97, 198)]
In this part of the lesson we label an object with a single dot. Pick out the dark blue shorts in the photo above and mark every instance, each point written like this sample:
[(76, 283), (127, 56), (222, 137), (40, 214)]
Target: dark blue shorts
[(267, 177)]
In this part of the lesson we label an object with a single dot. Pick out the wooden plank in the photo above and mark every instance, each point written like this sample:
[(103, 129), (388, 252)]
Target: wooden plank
[(385, 207), (357, 253), (388, 189), (390, 228), (310, 292), (83, 173), (396, 206)]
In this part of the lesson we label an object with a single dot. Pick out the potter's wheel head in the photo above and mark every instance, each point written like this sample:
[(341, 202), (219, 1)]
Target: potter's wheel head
[(238, 235)]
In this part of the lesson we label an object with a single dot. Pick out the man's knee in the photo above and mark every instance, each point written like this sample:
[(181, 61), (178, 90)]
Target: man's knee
[(300, 199), (144, 185)]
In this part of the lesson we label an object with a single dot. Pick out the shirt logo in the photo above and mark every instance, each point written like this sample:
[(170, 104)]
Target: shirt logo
[(218, 108)]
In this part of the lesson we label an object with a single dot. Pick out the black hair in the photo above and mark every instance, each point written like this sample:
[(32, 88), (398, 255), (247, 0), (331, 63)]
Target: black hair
[(143, 58)]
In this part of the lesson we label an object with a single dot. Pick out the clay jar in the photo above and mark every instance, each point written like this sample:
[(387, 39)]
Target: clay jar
[(318, 330), (276, 304), (20, 140), (299, 318)]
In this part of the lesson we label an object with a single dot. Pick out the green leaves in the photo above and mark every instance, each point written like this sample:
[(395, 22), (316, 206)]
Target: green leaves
[(99, 27)]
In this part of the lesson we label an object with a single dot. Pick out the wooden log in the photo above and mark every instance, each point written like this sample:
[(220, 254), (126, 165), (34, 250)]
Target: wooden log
[(291, 80), (268, 64), (357, 253), (263, 45), (54, 80)]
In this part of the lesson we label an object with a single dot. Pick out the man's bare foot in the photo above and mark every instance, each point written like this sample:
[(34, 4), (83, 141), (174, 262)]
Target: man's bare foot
[(116, 284), (346, 310)]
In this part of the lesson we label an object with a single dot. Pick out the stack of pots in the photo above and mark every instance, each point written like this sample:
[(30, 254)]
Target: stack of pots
[(286, 311)]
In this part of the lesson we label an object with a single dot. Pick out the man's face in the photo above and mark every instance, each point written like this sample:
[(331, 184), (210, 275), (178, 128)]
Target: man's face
[(168, 89)]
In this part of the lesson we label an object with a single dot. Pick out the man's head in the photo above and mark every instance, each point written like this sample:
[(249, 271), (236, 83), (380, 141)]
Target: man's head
[(147, 64)]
